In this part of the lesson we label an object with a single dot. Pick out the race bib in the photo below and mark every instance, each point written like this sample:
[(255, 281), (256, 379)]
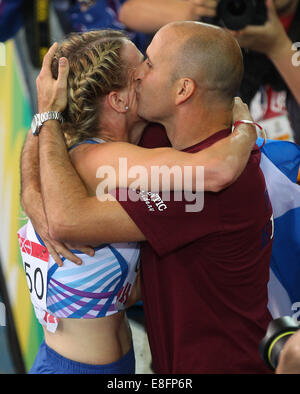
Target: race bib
[(35, 259), (268, 108), (278, 128)]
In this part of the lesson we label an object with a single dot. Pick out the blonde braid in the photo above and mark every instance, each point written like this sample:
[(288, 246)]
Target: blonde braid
[(96, 68)]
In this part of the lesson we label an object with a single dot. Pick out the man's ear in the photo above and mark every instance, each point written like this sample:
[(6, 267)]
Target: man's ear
[(184, 90), (117, 101)]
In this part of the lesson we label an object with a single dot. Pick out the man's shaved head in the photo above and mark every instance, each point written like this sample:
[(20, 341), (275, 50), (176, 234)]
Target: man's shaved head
[(208, 55)]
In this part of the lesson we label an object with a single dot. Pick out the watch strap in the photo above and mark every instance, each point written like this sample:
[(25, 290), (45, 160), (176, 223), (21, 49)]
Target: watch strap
[(41, 118)]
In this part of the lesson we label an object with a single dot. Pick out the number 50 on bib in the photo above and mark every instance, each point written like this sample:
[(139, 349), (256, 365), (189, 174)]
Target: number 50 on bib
[(35, 259)]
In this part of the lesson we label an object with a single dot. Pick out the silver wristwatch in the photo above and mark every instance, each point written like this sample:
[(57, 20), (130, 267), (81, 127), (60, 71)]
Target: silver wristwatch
[(39, 119)]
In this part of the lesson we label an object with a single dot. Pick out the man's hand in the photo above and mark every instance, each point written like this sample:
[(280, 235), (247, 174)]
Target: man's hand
[(57, 250), (60, 251), (52, 96), (52, 93), (268, 38)]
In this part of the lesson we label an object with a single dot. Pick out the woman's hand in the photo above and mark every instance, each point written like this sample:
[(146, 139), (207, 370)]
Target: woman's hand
[(240, 111)]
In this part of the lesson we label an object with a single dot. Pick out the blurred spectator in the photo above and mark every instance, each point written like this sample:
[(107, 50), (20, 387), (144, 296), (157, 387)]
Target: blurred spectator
[(74, 15), (271, 83), (10, 18), (84, 15)]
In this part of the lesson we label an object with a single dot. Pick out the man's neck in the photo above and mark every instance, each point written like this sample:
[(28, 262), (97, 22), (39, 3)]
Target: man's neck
[(136, 131), (191, 129)]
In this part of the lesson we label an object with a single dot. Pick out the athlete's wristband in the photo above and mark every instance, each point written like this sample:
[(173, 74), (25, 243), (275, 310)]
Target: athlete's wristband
[(251, 122)]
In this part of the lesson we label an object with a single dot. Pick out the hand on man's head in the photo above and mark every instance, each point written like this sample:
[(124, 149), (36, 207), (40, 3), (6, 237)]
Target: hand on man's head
[(52, 93)]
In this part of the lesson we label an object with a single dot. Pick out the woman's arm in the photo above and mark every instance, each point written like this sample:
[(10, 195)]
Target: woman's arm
[(72, 215), (120, 164)]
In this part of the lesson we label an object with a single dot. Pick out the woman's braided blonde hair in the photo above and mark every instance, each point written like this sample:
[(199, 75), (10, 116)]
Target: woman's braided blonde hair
[(96, 68)]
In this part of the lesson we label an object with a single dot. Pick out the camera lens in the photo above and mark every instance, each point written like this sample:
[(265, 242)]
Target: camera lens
[(236, 14), (236, 7), (278, 332)]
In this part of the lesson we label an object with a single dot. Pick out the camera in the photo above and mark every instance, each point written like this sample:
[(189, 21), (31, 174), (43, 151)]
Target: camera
[(278, 332), (237, 14)]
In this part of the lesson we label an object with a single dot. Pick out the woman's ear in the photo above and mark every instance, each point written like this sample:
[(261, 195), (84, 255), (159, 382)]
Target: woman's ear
[(117, 101), (184, 90)]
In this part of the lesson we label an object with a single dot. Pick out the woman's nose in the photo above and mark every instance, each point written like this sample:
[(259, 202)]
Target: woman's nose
[(138, 75)]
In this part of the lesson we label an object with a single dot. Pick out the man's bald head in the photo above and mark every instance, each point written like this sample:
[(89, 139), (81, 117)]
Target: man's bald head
[(208, 55)]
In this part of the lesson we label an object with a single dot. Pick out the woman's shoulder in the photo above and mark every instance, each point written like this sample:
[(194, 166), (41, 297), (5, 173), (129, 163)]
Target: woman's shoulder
[(97, 151)]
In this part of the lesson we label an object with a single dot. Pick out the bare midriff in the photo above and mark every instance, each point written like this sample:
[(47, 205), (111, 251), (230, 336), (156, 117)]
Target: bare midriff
[(97, 341)]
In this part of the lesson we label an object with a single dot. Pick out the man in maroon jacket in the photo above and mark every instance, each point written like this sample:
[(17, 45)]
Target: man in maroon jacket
[(205, 273)]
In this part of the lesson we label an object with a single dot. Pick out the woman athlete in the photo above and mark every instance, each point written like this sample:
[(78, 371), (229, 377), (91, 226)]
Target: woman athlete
[(93, 335)]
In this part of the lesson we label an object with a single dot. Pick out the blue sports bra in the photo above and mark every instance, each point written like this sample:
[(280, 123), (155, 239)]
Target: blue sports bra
[(97, 288)]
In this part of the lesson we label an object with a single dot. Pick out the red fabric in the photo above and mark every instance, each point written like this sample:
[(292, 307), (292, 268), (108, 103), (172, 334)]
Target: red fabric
[(286, 21), (33, 249), (154, 136), (205, 274)]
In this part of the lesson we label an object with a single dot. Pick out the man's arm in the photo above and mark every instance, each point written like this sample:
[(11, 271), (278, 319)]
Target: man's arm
[(30, 181), (72, 215), (32, 202)]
